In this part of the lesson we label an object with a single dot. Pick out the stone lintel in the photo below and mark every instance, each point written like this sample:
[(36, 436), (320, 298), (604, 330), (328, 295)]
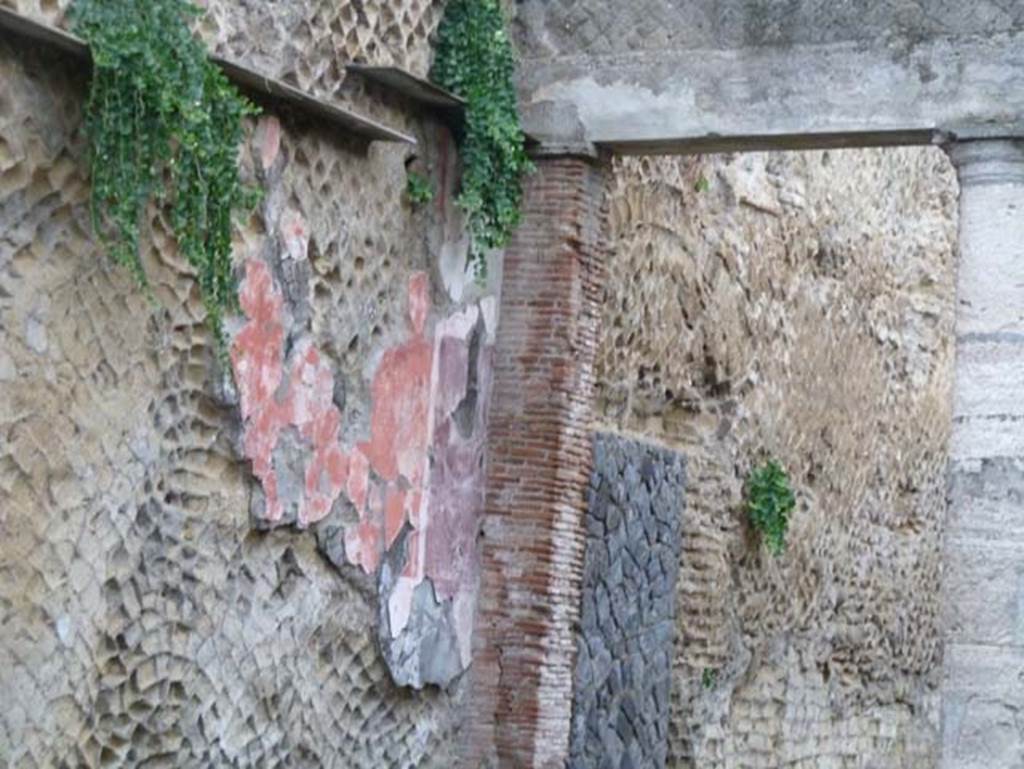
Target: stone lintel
[(777, 97)]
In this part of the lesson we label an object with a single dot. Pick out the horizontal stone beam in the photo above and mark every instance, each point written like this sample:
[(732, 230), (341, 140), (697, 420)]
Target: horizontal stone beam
[(786, 97)]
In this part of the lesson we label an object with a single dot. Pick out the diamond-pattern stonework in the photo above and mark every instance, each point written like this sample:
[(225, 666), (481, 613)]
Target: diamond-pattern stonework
[(611, 27), (144, 620)]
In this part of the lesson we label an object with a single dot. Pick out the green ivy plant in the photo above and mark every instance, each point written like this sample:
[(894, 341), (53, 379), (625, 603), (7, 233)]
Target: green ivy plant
[(709, 678), (475, 61), (418, 189), (163, 124), (770, 501)]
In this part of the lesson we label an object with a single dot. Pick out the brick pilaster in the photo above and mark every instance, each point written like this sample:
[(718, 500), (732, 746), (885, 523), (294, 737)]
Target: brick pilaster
[(539, 467)]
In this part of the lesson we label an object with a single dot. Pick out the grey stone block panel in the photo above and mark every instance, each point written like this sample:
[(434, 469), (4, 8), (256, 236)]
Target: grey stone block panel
[(627, 628)]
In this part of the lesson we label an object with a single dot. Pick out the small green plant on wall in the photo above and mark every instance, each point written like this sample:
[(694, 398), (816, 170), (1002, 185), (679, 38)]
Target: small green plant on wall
[(770, 501), (475, 61), (709, 678), (164, 125), (418, 189)]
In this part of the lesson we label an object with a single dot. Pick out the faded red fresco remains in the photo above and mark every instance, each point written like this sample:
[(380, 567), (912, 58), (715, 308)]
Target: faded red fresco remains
[(272, 402), (417, 388)]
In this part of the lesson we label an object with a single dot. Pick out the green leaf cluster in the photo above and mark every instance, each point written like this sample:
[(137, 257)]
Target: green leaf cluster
[(418, 189), (163, 124), (475, 61), (770, 501), (709, 678)]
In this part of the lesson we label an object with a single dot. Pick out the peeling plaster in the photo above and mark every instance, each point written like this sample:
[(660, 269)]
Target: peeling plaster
[(274, 399), (419, 473)]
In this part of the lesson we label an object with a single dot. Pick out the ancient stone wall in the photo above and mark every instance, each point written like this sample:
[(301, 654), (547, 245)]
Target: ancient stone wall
[(208, 568), (798, 306), (304, 42), (627, 620)]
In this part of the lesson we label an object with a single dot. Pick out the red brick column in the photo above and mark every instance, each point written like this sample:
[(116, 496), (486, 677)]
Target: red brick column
[(539, 466)]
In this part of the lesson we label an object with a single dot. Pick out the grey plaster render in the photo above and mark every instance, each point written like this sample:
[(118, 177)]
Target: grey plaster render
[(551, 28), (755, 76)]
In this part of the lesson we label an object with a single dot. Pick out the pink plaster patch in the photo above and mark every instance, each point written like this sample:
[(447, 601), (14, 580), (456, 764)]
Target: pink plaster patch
[(394, 515), (270, 404), (398, 425), (416, 469), (358, 479), (257, 351), (442, 545), (456, 476), (400, 421), (364, 544), (419, 301), (269, 138)]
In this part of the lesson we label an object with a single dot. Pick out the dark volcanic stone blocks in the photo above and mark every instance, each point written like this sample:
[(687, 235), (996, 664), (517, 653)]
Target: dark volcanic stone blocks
[(627, 623)]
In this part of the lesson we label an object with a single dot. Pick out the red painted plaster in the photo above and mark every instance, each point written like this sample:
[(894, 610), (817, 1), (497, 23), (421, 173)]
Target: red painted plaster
[(418, 388), (442, 544), (400, 420), (269, 140), (457, 471), (273, 399)]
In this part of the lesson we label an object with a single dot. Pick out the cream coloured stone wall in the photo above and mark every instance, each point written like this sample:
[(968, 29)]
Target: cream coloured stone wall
[(797, 305)]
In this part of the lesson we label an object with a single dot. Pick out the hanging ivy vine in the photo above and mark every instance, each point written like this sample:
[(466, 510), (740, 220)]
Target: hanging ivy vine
[(163, 124), (474, 60)]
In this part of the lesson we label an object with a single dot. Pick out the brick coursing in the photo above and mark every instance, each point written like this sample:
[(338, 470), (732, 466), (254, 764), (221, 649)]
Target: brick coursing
[(539, 468)]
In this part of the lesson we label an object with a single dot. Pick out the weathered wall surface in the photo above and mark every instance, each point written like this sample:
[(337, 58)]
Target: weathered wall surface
[(669, 76), (627, 620), (798, 305), (596, 27), (200, 569), (304, 42)]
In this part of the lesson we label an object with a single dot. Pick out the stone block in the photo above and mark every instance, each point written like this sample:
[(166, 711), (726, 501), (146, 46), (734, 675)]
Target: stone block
[(620, 701), (984, 592), (983, 707)]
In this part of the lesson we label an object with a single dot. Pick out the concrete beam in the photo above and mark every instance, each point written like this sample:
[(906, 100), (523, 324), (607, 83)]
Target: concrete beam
[(853, 93)]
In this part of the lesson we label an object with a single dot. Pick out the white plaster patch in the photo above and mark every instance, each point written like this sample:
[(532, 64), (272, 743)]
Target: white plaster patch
[(35, 331), (64, 630), (8, 371), (489, 310), (464, 609), (456, 271), (400, 604)]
